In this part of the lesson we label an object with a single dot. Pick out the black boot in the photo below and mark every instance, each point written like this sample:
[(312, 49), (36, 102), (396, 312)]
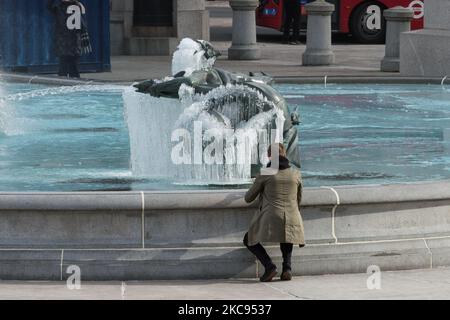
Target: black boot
[(261, 254), (286, 249), (270, 272), (286, 275)]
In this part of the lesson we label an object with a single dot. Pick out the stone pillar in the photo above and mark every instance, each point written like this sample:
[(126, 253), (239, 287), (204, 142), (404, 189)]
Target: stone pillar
[(192, 19), (121, 25), (128, 18), (318, 43), (244, 46), (398, 20), (426, 52)]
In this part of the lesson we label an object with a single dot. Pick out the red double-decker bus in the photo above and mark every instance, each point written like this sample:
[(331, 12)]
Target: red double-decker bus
[(362, 18)]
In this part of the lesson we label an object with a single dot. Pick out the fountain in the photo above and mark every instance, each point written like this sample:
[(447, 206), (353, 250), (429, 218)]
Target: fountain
[(222, 122), (69, 198)]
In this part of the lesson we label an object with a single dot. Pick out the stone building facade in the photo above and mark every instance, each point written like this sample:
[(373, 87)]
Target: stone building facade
[(154, 27)]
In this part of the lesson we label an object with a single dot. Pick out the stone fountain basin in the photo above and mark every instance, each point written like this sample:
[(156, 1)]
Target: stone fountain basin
[(197, 235)]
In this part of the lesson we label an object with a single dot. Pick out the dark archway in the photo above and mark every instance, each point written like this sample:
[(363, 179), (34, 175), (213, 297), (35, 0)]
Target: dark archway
[(153, 13)]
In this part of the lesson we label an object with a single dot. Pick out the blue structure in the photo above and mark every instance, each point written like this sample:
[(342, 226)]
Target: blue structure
[(26, 41)]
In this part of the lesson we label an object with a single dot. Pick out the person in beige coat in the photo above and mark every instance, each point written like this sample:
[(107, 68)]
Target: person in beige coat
[(278, 219)]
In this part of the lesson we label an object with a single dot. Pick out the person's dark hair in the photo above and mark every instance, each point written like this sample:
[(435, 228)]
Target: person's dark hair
[(281, 149)]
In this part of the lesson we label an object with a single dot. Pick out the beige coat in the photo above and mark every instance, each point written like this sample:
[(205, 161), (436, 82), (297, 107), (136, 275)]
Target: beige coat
[(278, 219)]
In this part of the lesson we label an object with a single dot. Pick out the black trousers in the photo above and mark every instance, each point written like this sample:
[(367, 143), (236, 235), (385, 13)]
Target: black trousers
[(68, 66), (292, 20), (261, 254)]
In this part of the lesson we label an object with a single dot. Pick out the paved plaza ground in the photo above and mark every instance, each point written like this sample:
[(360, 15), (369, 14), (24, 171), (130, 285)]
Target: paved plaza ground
[(415, 284)]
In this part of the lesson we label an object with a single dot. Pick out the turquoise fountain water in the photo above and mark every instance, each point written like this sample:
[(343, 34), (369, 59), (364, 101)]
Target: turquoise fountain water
[(76, 138)]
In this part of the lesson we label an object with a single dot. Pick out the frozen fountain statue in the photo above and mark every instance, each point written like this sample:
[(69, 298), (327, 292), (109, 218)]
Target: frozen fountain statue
[(204, 124)]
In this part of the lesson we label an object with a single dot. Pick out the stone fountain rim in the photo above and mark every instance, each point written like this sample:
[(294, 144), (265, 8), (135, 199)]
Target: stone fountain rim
[(219, 199)]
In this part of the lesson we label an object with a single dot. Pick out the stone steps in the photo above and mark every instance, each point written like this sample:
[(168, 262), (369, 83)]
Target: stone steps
[(198, 234), (219, 262), (146, 46)]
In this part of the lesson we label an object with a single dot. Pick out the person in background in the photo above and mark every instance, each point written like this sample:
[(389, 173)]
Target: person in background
[(278, 219), (71, 38), (292, 20)]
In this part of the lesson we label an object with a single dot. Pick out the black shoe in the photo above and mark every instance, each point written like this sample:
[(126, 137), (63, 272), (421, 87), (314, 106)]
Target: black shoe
[(269, 274), (286, 275)]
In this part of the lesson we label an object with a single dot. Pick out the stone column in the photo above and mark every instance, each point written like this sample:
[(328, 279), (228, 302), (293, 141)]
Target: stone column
[(426, 52), (244, 46), (121, 25), (128, 18), (398, 20), (192, 19), (318, 44)]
